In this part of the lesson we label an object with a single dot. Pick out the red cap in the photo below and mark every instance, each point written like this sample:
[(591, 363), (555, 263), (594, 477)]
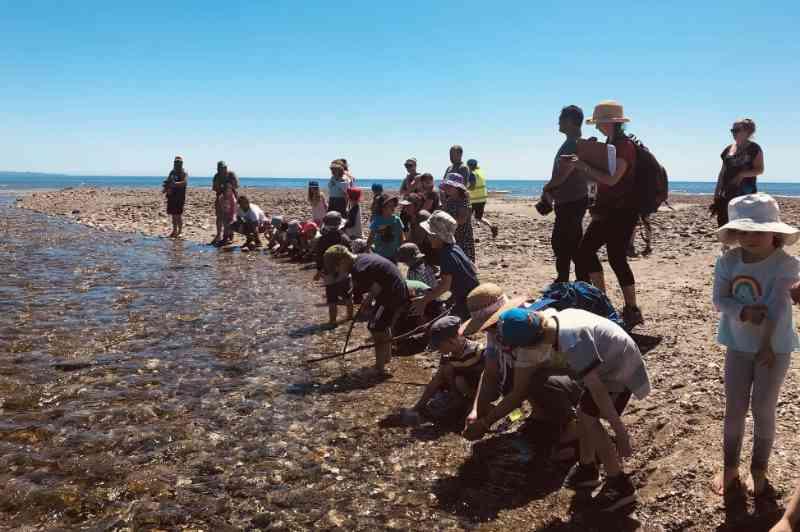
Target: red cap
[(308, 227)]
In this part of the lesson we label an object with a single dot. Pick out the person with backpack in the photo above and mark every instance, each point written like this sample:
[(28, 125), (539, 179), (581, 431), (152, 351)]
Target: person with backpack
[(742, 163), (616, 211), (570, 192)]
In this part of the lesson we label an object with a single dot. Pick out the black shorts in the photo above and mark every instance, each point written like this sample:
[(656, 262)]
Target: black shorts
[(477, 209), (338, 292), (382, 318), (175, 203), (620, 400)]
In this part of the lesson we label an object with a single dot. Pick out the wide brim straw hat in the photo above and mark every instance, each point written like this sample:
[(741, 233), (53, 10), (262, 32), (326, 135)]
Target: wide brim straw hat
[(608, 111), (485, 303), (758, 213)]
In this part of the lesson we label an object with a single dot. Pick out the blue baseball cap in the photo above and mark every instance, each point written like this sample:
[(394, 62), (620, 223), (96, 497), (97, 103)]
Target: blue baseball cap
[(377, 188), (520, 327), (444, 329)]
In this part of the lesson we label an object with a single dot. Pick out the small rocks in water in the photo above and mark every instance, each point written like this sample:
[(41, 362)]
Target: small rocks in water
[(72, 365)]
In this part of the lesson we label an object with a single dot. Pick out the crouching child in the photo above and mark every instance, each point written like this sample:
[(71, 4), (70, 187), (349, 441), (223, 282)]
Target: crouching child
[(382, 281), (337, 287), (460, 367), (610, 365)]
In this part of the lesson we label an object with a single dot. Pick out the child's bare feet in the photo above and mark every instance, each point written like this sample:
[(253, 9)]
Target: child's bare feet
[(724, 482)]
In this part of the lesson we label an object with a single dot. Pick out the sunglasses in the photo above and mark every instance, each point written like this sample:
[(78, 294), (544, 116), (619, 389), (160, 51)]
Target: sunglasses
[(409, 165), (735, 130)]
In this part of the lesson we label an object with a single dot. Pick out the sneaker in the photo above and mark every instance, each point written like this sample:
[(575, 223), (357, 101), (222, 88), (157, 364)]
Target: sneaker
[(632, 317), (616, 493), (494, 231), (582, 476)]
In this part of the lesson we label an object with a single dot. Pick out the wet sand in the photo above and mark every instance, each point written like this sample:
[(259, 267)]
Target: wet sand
[(368, 475)]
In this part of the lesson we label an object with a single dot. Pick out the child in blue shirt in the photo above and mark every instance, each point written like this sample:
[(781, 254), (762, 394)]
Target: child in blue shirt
[(386, 229)]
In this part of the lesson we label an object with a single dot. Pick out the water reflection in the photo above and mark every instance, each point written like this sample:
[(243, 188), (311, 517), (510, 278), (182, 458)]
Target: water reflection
[(139, 378)]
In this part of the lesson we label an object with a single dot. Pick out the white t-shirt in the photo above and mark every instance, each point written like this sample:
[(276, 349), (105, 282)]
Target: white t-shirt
[(255, 214), (767, 282)]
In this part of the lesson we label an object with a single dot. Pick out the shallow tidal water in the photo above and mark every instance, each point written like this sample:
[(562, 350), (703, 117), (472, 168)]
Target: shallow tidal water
[(145, 383)]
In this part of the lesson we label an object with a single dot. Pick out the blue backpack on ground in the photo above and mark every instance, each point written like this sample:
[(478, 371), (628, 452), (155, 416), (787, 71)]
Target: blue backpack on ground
[(580, 295)]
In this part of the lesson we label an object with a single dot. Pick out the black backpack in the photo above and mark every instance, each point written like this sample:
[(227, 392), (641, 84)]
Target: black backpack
[(651, 179)]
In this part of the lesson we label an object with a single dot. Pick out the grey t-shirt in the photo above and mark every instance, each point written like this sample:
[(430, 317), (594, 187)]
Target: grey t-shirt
[(576, 186), (587, 341)]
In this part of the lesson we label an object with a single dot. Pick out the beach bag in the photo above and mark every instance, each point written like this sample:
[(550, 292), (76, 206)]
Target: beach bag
[(578, 294), (651, 179)]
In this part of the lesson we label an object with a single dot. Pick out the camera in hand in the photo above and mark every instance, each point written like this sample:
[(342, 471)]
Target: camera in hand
[(544, 206)]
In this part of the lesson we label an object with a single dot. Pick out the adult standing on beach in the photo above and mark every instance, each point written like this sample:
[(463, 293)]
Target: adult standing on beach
[(455, 202), (478, 195), (337, 188), (457, 166), (615, 212), (742, 163), (410, 183), (175, 190), (569, 191), (222, 178)]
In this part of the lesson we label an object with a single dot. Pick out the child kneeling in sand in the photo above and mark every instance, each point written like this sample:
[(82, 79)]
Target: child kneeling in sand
[(752, 292), (250, 221), (381, 279), (611, 368), (460, 367)]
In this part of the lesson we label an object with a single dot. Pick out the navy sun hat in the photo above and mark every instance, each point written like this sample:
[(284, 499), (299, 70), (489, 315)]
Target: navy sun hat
[(520, 327), (472, 162), (377, 188), (444, 329)]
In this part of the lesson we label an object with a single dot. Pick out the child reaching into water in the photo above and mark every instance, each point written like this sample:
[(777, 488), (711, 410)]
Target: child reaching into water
[(751, 292), (319, 207)]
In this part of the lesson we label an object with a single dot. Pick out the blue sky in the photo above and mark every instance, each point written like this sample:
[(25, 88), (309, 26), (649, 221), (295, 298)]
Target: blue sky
[(281, 88)]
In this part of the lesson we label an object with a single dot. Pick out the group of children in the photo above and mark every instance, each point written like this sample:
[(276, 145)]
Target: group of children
[(576, 367), (573, 366)]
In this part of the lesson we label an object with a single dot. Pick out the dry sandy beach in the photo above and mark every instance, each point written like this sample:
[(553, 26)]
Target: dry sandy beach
[(425, 479)]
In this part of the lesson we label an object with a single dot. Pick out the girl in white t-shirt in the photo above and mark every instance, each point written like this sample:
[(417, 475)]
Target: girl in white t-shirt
[(751, 292)]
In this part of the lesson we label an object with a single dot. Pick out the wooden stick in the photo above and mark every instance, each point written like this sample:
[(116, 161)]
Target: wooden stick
[(403, 336)]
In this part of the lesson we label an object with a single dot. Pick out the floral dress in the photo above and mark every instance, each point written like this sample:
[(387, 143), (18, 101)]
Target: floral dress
[(464, 235)]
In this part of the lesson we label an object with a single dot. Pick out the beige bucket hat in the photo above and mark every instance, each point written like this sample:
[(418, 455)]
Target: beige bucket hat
[(442, 226), (485, 303), (608, 111), (759, 213)]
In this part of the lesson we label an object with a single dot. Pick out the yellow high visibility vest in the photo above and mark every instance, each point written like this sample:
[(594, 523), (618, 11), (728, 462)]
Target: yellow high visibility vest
[(478, 194)]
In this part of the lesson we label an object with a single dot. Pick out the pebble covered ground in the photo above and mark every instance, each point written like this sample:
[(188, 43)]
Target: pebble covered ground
[(344, 466)]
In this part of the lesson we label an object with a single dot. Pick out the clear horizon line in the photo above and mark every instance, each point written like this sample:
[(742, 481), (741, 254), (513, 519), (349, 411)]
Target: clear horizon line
[(56, 174)]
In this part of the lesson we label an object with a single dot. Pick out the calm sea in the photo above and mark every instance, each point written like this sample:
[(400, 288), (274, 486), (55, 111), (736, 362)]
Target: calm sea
[(515, 187)]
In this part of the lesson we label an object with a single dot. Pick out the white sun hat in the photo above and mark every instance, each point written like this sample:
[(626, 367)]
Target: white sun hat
[(758, 213)]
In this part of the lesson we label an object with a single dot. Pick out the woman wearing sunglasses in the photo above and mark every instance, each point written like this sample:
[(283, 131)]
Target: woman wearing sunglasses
[(742, 162)]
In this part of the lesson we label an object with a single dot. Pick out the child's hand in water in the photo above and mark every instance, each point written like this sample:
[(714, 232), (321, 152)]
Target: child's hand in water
[(765, 356), (754, 313)]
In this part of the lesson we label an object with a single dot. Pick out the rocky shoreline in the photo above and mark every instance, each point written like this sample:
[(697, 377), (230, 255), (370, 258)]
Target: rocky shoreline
[(429, 479)]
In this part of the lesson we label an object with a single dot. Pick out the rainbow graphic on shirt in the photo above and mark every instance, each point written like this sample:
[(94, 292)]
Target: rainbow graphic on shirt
[(746, 290)]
